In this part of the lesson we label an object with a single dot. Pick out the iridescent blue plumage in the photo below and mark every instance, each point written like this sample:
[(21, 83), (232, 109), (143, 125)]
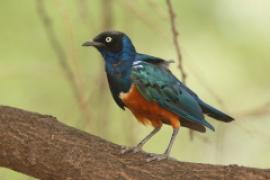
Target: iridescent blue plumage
[(118, 67)]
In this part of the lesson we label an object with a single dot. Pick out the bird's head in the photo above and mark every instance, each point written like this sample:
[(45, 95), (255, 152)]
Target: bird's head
[(112, 44)]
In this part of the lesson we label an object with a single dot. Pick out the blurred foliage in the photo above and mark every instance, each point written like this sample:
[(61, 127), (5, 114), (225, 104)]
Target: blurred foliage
[(225, 43)]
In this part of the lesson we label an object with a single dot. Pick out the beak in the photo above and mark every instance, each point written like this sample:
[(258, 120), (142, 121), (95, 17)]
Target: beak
[(92, 43)]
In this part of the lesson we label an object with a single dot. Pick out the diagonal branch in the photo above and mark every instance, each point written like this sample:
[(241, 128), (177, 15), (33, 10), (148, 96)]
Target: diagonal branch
[(62, 58), (42, 147), (130, 6), (175, 40)]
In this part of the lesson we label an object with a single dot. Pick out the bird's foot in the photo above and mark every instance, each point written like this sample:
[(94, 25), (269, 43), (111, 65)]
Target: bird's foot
[(157, 157), (134, 149)]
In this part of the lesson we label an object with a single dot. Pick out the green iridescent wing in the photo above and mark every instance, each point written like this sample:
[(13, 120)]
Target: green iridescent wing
[(156, 83)]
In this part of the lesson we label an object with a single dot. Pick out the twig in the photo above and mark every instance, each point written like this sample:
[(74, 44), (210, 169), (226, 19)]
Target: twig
[(261, 110), (177, 49), (198, 76), (83, 10), (62, 57), (175, 40), (158, 11), (106, 24), (142, 16), (107, 14), (87, 20)]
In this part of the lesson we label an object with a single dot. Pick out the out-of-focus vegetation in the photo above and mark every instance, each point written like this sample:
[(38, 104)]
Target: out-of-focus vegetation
[(225, 47)]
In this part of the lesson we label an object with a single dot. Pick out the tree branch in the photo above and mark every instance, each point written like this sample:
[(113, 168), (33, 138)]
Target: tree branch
[(40, 146)]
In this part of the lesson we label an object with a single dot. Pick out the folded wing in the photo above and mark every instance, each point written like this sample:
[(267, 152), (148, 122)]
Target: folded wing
[(156, 83)]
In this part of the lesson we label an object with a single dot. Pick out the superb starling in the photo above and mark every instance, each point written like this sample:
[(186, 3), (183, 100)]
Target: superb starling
[(145, 85)]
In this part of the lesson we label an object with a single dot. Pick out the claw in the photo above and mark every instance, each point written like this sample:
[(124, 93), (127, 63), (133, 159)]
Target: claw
[(157, 157), (130, 150)]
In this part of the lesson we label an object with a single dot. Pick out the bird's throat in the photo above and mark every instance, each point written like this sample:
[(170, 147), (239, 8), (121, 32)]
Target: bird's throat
[(119, 75)]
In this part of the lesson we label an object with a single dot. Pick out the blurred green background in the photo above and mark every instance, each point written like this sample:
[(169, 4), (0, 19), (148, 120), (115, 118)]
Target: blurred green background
[(225, 47)]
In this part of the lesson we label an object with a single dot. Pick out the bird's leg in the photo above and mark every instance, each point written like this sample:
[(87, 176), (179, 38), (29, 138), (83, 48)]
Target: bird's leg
[(139, 146), (158, 157)]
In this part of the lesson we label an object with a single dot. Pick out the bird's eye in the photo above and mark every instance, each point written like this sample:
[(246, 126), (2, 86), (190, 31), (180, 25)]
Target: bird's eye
[(108, 39)]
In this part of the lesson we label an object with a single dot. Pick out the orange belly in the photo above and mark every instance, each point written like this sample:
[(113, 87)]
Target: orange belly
[(148, 112)]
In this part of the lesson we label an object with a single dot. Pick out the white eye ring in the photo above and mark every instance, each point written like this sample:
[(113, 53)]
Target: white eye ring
[(108, 39)]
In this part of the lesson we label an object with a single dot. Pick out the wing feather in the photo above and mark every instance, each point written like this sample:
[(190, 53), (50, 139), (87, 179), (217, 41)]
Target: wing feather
[(156, 83)]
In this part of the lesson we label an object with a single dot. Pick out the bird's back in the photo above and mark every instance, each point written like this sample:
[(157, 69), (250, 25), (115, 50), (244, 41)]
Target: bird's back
[(157, 84), (206, 108)]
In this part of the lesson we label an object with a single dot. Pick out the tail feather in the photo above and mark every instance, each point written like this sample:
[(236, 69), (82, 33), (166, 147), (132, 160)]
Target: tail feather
[(214, 113)]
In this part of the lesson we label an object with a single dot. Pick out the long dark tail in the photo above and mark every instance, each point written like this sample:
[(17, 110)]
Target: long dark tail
[(214, 113)]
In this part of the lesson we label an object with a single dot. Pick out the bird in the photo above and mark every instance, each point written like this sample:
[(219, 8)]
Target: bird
[(145, 85)]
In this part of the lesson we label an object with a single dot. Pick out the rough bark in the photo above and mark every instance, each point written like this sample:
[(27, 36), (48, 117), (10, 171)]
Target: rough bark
[(40, 146)]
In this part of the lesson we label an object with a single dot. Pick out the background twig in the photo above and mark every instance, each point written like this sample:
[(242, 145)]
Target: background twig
[(130, 6), (62, 57), (175, 40)]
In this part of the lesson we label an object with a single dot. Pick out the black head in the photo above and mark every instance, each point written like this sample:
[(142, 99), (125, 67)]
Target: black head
[(108, 40)]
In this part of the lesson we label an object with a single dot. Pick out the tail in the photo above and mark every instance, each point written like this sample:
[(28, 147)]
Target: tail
[(214, 113)]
